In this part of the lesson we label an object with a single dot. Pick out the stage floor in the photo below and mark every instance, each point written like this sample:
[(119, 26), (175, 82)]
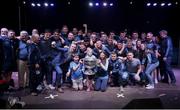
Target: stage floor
[(163, 96)]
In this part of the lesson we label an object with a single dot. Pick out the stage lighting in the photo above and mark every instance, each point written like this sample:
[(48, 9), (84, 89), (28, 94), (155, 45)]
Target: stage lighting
[(154, 4), (162, 4), (176, 3), (131, 3), (148, 4), (33, 5), (90, 4), (69, 3), (111, 4), (24, 2), (97, 4), (169, 4), (38, 4), (105, 4), (52, 4), (46, 4)]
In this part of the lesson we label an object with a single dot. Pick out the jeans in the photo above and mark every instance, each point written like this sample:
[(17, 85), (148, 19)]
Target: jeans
[(58, 75), (149, 69), (101, 83), (46, 71)]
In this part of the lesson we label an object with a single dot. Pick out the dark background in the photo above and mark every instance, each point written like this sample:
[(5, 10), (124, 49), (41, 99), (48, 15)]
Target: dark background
[(122, 15), (119, 17)]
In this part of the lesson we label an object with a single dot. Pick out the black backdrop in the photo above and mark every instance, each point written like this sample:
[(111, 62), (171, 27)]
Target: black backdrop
[(122, 15)]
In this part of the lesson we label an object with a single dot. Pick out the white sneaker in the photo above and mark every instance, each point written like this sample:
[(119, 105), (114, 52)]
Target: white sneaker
[(121, 89), (150, 87), (39, 87), (156, 81), (51, 87)]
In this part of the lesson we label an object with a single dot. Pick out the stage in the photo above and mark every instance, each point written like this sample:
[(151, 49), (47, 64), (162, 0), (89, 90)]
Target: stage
[(163, 96)]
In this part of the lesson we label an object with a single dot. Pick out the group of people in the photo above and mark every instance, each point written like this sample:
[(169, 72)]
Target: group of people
[(84, 59)]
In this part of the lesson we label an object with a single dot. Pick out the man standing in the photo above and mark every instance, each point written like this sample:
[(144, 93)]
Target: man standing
[(34, 60), (22, 57), (166, 57)]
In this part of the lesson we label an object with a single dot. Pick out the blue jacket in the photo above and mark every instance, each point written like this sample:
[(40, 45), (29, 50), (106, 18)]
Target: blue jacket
[(150, 58), (166, 47), (7, 49), (151, 45), (57, 54), (34, 54), (22, 50), (96, 52), (116, 66)]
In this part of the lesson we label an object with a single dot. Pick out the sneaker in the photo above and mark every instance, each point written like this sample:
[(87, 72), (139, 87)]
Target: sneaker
[(150, 87), (51, 87), (88, 89), (60, 90), (39, 88), (156, 81), (121, 89)]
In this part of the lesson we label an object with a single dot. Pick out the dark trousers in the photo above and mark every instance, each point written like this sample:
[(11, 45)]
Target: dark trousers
[(65, 67), (115, 79), (33, 79), (46, 71), (166, 70)]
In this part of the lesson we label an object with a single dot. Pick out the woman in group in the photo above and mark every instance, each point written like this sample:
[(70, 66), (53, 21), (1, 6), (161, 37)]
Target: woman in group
[(102, 73)]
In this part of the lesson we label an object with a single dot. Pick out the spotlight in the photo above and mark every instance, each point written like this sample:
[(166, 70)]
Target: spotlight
[(104, 4), (176, 3), (97, 4), (162, 4), (111, 4), (38, 4), (90, 4), (69, 3), (169, 4), (148, 4), (52, 4), (33, 5), (24, 2), (131, 2), (155, 4), (46, 4)]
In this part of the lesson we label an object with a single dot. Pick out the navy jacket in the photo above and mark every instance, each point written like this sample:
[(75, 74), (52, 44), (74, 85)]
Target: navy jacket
[(116, 66), (1, 54), (34, 54), (166, 47), (22, 50)]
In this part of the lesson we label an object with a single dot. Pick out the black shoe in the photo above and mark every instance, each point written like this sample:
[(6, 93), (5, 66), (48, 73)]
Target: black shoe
[(11, 83), (103, 90), (20, 88), (173, 83), (112, 85), (164, 81)]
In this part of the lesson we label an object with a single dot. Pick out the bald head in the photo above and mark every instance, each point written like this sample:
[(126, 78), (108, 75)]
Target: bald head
[(35, 38)]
